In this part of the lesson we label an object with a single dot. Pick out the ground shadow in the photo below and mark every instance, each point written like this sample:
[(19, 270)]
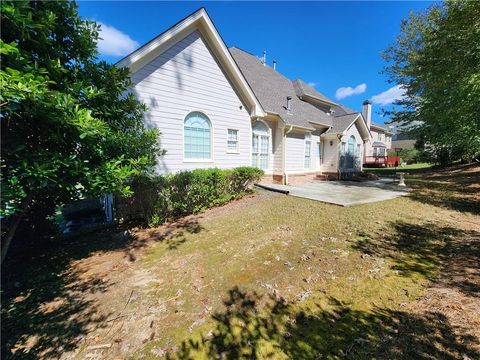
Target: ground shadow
[(423, 249), (46, 307), (253, 327), (457, 189)]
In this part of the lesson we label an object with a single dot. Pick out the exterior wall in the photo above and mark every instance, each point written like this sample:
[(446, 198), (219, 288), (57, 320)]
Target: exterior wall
[(278, 150), (295, 159), (187, 78), (388, 141), (330, 155), (353, 131), (385, 138), (272, 146)]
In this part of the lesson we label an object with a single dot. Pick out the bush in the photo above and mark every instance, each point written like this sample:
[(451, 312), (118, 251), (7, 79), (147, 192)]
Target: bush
[(188, 192)]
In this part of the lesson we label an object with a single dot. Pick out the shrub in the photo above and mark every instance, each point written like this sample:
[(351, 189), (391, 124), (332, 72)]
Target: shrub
[(160, 198)]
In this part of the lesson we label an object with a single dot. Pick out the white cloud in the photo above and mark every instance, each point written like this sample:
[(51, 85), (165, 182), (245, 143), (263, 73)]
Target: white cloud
[(344, 92), (312, 84), (389, 96), (114, 42)]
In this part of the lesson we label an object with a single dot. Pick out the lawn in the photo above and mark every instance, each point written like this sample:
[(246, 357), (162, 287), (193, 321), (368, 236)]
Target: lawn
[(410, 169), (268, 276)]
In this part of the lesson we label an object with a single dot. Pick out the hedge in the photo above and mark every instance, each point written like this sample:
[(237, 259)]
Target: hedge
[(161, 198)]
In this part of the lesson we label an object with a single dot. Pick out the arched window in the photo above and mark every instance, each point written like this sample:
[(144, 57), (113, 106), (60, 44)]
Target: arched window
[(260, 145), (197, 137), (351, 151)]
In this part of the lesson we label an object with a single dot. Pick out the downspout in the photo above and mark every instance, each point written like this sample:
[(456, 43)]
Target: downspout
[(284, 151), (339, 170)]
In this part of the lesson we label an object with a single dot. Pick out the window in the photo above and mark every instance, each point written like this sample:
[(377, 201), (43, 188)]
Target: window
[(351, 151), (308, 150), (197, 137), (232, 141), (260, 145)]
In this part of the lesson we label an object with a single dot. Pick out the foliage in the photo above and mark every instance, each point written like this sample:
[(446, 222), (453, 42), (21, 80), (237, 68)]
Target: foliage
[(189, 192), (69, 128), (436, 60)]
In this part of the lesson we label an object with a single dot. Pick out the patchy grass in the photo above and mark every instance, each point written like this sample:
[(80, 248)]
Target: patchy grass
[(270, 276)]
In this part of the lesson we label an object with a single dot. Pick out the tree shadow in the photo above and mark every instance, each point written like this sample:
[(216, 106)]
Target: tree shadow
[(422, 249), (256, 327), (456, 189), (48, 307)]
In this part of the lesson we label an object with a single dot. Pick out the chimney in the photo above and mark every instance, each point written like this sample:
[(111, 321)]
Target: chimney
[(367, 112), (289, 101), (264, 57), (274, 64)]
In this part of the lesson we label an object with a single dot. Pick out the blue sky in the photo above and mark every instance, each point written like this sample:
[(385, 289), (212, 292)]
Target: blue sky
[(334, 46)]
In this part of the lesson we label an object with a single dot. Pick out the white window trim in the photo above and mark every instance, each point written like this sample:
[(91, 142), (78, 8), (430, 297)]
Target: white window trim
[(268, 149), (212, 133), (238, 142)]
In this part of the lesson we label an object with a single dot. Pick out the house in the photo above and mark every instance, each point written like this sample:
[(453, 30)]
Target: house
[(403, 140), (220, 107), (380, 141)]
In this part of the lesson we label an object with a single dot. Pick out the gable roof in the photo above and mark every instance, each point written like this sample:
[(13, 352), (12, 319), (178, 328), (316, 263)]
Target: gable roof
[(272, 89), (304, 90), (197, 21), (342, 123)]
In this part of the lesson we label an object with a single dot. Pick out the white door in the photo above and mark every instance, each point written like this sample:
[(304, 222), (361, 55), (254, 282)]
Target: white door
[(318, 152)]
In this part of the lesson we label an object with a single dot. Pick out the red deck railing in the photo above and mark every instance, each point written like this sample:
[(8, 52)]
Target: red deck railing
[(382, 161)]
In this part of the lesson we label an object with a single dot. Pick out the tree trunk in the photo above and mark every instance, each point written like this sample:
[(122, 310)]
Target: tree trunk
[(16, 220)]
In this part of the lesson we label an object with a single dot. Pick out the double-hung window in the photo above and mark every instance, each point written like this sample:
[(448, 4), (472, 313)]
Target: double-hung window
[(232, 141), (308, 150), (260, 145), (197, 137)]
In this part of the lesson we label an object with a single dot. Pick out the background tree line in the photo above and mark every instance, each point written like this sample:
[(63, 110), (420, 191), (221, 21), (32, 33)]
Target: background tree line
[(436, 59)]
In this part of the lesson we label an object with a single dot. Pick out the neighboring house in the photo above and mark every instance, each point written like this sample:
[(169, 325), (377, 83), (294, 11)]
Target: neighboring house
[(380, 141), (403, 140), (404, 144), (220, 107)]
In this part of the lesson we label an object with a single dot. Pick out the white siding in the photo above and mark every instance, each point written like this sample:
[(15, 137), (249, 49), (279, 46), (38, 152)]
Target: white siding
[(353, 130), (295, 152), (186, 78), (278, 149), (330, 155)]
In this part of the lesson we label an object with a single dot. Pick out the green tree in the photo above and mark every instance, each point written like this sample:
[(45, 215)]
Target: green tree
[(70, 129), (436, 59)]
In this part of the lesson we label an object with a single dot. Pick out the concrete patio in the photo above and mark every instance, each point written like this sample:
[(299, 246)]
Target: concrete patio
[(346, 193)]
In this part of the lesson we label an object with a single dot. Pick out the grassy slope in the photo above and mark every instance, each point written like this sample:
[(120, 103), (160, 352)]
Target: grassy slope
[(411, 169), (270, 276), (291, 278)]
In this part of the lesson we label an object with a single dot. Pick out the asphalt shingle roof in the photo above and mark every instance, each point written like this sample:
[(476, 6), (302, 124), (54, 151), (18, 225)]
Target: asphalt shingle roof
[(272, 88), (302, 89), (342, 123)]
